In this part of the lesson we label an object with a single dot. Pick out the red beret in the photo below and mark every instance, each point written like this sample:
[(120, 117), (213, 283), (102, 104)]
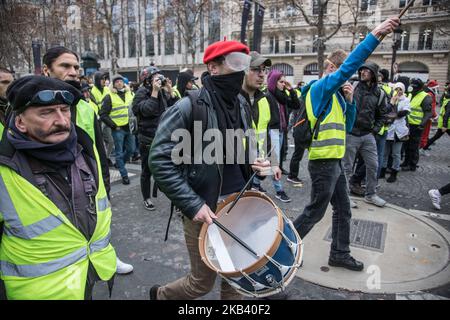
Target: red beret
[(221, 48)]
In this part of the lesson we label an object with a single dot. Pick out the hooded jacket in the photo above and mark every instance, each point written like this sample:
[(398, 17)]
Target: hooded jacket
[(371, 111)]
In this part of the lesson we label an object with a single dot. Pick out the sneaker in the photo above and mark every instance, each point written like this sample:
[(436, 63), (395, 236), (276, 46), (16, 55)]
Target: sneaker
[(294, 180), (154, 292), (435, 197), (258, 188), (123, 268), (149, 205), (135, 158), (353, 204), (125, 180), (282, 196), (376, 200)]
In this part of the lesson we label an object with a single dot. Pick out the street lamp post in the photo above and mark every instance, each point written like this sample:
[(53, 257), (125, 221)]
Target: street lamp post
[(395, 46)]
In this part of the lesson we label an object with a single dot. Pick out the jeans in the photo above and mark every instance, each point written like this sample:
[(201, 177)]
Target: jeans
[(124, 145), (146, 174), (367, 147), (381, 144), (394, 148), (328, 184)]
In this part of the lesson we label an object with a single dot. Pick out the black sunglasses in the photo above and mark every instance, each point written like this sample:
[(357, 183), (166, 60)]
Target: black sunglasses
[(47, 97)]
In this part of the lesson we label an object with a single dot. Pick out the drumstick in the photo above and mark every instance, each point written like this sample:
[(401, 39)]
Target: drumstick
[(235, 237), (410, 3), (246, 185)]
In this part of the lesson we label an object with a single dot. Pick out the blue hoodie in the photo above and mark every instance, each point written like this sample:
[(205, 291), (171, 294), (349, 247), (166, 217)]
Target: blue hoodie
[(324, 88)]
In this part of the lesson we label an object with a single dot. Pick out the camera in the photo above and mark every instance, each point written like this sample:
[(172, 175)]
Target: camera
[(162, 79)]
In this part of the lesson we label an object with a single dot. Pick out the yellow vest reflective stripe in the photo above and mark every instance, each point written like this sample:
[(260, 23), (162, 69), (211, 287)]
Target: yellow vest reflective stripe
[(445, 105), (298, 92), (330, 142), (263, 122), (42, 254), (416, 115), (98, 95), (1, 130), (119, 111)]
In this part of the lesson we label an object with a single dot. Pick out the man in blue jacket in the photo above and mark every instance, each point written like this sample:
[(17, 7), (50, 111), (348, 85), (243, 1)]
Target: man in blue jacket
[(330, 101)]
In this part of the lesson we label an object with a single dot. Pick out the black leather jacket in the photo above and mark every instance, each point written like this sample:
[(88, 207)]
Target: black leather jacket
[(189, 186)]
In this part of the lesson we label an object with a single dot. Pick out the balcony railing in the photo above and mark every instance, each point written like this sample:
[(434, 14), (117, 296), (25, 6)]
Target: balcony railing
[(437, 45)]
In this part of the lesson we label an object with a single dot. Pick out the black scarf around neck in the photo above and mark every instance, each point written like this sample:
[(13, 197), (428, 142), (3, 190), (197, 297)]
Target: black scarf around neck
[(224, 91), (57, 155)]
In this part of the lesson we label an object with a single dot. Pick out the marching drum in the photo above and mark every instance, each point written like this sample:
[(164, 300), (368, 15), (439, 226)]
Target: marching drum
[(259, 223)]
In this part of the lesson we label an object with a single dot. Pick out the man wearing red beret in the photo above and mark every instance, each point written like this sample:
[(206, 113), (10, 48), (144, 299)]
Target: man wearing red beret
[(196, 188)]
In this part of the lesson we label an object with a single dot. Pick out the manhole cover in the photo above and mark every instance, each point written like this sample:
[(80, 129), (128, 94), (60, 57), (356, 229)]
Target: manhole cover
[(365, 234)]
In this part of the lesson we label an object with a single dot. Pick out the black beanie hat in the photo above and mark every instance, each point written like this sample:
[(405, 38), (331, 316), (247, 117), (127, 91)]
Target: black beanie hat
[(21, 91)]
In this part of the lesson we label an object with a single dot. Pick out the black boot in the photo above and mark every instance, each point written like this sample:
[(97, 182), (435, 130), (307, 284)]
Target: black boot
[(382, 173), (393, 176)]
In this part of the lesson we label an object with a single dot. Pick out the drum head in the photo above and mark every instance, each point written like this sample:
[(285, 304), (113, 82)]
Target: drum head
[(255, 220)]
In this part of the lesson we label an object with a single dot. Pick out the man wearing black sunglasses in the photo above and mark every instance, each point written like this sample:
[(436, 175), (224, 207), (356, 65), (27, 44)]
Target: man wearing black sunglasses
[(52, 197)]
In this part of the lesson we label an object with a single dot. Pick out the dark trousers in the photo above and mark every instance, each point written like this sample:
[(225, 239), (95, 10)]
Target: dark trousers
[(328, 184), (144, 149), (359, 171), (295, 160), (439, 133), (445, 189), (412, 146)]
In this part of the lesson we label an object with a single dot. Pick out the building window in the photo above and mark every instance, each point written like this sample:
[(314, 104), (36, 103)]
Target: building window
[(316, 7), (100, 47), (169, 39), (430, 2), (116, 28), (132, 29), (311, 69), (290, 11), (404, 42), (202, 31), (425, 39), (274, 44), (214, 23), (402, 3), (275, 13), (368, 4), (149, 38), (290, 44)]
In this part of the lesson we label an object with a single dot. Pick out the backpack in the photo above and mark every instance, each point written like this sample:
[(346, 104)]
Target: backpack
[(302, 133), (199, 113)]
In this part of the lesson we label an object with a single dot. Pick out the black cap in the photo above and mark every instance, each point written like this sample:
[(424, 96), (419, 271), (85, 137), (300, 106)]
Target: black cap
[(21, 91)]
